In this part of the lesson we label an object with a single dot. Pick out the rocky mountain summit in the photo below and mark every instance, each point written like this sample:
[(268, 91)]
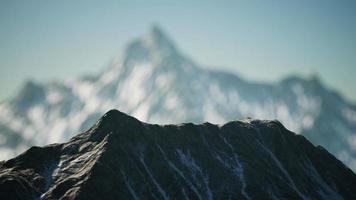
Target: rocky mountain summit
[(121, 157)]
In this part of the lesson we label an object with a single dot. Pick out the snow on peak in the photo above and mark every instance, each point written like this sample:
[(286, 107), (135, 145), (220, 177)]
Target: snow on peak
[(159, 38), (158, 42)]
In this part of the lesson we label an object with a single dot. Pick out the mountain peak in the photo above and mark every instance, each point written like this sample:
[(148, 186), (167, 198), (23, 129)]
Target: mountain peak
[(157, 31), (156, 45), (114, 117), (112, 122), (159, 40), (158, 34)]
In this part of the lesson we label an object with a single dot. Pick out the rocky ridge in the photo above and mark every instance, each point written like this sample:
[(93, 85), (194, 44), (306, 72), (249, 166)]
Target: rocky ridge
[(121, 157)]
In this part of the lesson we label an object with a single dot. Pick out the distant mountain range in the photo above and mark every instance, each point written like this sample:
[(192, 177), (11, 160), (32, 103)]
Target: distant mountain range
[(153, 81), (122, 158)]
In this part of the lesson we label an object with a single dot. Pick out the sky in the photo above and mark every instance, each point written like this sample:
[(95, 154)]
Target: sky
[(264, 41)]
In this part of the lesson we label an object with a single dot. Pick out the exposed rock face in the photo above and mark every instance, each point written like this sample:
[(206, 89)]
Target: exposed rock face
[(123, 158)]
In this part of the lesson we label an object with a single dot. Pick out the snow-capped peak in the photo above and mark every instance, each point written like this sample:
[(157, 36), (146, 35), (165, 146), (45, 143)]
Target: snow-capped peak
[(159, 40), (155, 47)]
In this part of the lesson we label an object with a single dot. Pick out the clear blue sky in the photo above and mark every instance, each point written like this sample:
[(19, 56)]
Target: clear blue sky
[(261, 40)]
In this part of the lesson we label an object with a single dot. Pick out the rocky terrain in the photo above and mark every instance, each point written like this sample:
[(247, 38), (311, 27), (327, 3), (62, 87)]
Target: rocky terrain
[(121, 157), (155, 82)]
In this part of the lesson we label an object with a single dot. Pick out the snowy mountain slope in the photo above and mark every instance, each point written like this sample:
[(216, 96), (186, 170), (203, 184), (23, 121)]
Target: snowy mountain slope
[(156, 83), (123, 158)]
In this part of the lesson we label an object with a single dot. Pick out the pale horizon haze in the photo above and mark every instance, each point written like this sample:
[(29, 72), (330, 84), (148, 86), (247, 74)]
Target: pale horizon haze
[(262, 41)]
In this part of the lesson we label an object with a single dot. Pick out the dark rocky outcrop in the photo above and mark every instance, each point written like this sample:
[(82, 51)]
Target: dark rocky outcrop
[(123, 158)]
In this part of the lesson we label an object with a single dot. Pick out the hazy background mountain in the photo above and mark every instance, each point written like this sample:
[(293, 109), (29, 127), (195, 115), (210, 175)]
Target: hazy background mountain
[(263, 41)]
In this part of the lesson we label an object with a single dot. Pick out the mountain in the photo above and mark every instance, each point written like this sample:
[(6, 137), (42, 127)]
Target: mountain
[(123, 158), (154, 82)]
